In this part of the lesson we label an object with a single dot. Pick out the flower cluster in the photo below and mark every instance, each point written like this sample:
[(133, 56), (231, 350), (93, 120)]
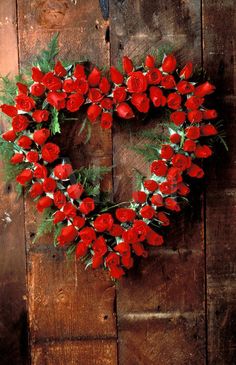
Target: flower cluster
[(112, 239)]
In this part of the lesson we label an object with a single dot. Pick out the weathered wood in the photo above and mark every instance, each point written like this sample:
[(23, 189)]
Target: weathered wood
[(13, 317), (67, 303), (219, 61)]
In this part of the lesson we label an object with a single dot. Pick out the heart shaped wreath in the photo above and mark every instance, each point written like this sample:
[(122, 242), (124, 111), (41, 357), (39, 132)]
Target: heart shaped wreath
[(111, 238)]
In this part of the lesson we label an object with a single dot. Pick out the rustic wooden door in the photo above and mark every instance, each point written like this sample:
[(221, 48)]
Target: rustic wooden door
[(178, 306)]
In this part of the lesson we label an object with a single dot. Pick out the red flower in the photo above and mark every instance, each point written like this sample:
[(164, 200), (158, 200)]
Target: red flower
[(154, 239), (87, 205), (166, 151), (137, 82), (95, 95), (113, 264), (37, 74), (127, 65), (24, 177), (167, 188), (25, 142), (180, 161), (99, 248), (195, 116), (9, 110), (124, 250), (163, 219), (172, 204), (106, 103), (68, 85), (106, 120), (94, 77), (103, 222), (186, 71), (24, 102), (9, 136), (37, 89), (154, 76), (87, 235), (32, 156), (209, 114), (149, 61), (169, 64), (178, 117), (116, 230), (116, 76), (67, 235), (78, 221), (195, 171), (204, 89), (189, 145), (124, 111), (147, 212), (192, 132), (40, 171), (184, 87), (174, 101), (40, 136), (168, 82), (125, 214), (43, 203), (22, 88), (141, 229), (57, 99), (75, 101), (58, 217), (157, 200), (141, 102), (203, 151), (20, 123), (49, 185), (36, 190), (151, 185), (139, 197), (93, 112), (183, 189), (17, 158), (51, 82), (159, 168), (175, 138), (81, 86), (208, 130), (119, 94), (104, 85), (75, 191), (63, 171), (174, 175), (81, 249), (69, 210), (59, 69), (79, 72), (194, 102), (40, 116), (59, 199)]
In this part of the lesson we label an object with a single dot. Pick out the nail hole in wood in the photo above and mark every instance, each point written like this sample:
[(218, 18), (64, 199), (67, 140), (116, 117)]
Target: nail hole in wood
[(107, 34)]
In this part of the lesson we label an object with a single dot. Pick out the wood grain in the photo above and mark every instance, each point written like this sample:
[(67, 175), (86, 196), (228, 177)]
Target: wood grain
[(13, 317)]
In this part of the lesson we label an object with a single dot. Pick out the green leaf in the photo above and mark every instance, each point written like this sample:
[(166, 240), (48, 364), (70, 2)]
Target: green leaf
[(45, 60), (46, 225)]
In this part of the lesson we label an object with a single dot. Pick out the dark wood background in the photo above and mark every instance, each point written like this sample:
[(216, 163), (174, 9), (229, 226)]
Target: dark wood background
[(179, 306)]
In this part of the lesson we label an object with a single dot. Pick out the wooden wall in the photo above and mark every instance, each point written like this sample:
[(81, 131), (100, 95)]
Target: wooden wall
[(177, 307)]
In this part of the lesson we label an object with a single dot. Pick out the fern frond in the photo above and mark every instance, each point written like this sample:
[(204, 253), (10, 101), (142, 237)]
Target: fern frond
[(55, 125), (46, 58), (46, 225)]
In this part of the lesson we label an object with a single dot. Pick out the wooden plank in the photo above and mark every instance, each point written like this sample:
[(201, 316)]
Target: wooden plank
[(171, 280), (69, 304), (219, 61), (13, 316)]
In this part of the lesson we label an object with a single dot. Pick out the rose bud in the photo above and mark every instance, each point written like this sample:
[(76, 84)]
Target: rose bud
[(149, 61), (51, 82), (141, 102), (116, 76), (37, 89), (22, 88), (174, 175), (20, 123), (40, 116), (174, 101), (172, 204), (9, 136), (157, 200), (168, 82), (139, 197), (67, 235), (24, 142), (178, 117), (186, 71), (208, 130), (125, 214), (167, 188), (49, 185), (154, 239), (75, 101), (183, 189), (159, 168), (81, 86), (209, 114), (124, 111), (17, 158), (79, 72), (94, 77), (70, 210), (194, 102), (106, 120), (151, 185), (116, 230), (147, 212), (169, 64), (166, 152), (24, 102), (50, 152), (184, 87), (59, 199), (175, 138), (103, 222), (104, 85), (81, 250), (127, 65), (87, 235), (41, 136), (106, 103), (163, 219), (9, 110), (43, 203), (24, 177), (137, 82), (58, 217), (59, 69), (203, 151), (68, 85), (195, 171), (36, 190), (78, 222), (156, 96), (32, 156), (37, 75), (75, 191), (87, 205), (63, 171), (93, 112), (57, 99), (154, 76), (195, 116), (180, 161), (119, 94), (204, 89), (95, 95), (40, 171), (189, 146)]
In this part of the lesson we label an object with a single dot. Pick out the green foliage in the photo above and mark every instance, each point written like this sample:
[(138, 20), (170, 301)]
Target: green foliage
[(10, 171), (46, 225), (90, 178), (55, 125), (163, 49), (139, 177), (86, 126), (8, 90), (46, 58)]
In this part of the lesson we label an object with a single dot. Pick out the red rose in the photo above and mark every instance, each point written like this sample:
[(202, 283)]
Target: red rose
[(168, 82), (63, 171), (141, 102), (75, 101), (95, 95), (127, 65), (203, 151), (125, 214), (40, 136), (87, 205), (22, 88), (40, 116), (81, 249), (208, 130), (87, 235), (147, 212), (81, 86), (24, 177), (141, 229), (67, 235), (78, 221), (58, 217), (49, 185), (119, 94), (195, 116), (25, 142), (151, 185), (40, 171), (194, 102), (163, 219), (59, 199), (166, 151), (174, 101), (68, 85), (130, 236), (157, 97), (175, 138), (139, 197), (137, 82), (9, 110), (157, 200), (94, 77), (169, 64), (43, 203), (183, 189), (50, 152), (37, 89), (36, 190), (149, 61), (113, 264), (180, 161), (37, 74), (116, 76), (192, 132), (17, 158), (59, 69), (116, 230), (93, 112), (32, 156), (103, 222), (104, 85), (172, 204), (174, 175), (106, 120), (209, 114), (24, 102), (189, 145), (69, 210), (154, 76), (20, 123), (159, 168), (195, 171), (204, 89), (124, 111), (9, 136), (57, 99), (154, 239), (106, 103), (184, 87), (186, 71), (178, 117), (124, 250), (79, 72), (99, 249), (51, 82), (75, 191), (167, 188)]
